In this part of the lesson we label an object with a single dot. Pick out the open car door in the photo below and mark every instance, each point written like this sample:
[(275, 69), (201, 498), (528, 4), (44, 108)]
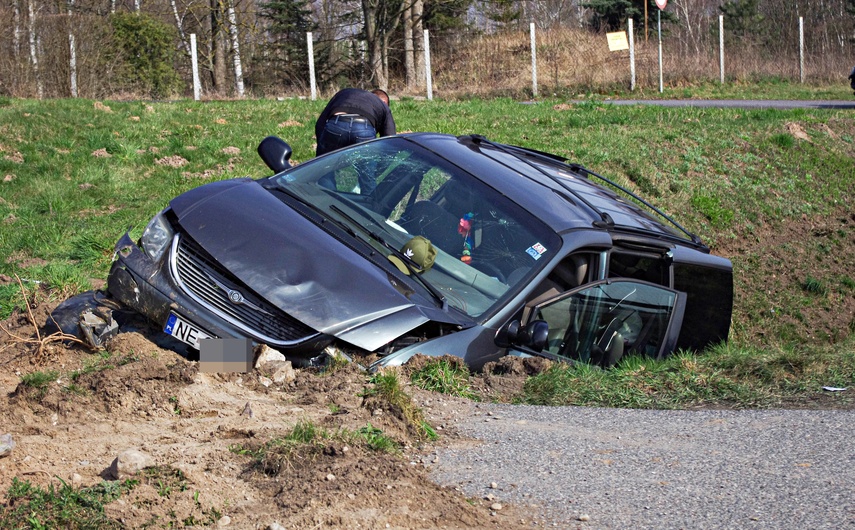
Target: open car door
[(600, 322)]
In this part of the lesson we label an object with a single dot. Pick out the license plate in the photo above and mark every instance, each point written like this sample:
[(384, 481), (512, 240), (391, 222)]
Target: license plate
[(184, 331)]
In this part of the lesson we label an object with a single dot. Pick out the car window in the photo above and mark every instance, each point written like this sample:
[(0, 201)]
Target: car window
[(486, 243), (601, 322), (653, 269)]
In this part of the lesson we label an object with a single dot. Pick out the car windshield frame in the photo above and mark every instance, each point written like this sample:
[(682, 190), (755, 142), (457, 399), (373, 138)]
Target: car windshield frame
[(486, 244)]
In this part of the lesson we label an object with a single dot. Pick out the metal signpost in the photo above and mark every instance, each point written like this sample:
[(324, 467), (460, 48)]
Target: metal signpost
[(661, 5)]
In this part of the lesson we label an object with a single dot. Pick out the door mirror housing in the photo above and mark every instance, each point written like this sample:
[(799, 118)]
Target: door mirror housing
[(508, 335), (533, 337), (275, 152)]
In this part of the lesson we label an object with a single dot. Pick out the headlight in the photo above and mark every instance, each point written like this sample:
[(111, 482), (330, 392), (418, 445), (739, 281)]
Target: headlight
[(156, 237)]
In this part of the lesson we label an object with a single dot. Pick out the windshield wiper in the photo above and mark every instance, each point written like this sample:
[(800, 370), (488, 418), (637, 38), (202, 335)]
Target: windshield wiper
[(406, 260)]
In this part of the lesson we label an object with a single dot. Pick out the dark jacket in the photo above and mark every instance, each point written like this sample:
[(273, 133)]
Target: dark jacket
[(362, 102)]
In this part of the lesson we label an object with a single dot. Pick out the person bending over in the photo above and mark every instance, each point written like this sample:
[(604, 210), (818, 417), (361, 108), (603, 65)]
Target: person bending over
[(352, 116)]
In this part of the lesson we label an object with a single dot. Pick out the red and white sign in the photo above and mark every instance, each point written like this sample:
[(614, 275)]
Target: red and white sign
[(661, 4)]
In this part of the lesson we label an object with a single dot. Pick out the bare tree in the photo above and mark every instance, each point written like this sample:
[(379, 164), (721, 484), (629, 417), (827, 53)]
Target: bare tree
[(16, 30), (381, 20), (217, 47), (409, 57), (34, 56), (179, 24), (418, 11), (72, 52), (233, 31), (552, 13)]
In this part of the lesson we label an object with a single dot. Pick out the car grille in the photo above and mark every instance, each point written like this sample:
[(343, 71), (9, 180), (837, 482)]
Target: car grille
[(199, 275)]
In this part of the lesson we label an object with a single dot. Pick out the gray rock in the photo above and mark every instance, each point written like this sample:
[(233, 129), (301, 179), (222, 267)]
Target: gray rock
[(284, 373), (129, 463), (6, 444), (264, 354)]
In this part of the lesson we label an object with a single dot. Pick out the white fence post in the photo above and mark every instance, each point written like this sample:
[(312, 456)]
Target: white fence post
[(428, 79), (631, 55), (721, 46), (311, 52), (533, 63), (659, 29), (194, 60), (801, 49)]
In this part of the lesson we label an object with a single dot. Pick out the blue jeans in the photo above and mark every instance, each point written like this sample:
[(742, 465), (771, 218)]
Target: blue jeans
[(340, 131)]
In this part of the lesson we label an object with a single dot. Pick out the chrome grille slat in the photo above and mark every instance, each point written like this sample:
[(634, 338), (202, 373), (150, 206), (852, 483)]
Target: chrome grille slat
[(194, 270)]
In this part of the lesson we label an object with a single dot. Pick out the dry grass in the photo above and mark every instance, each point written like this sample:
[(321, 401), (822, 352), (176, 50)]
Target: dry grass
[(577, 61)]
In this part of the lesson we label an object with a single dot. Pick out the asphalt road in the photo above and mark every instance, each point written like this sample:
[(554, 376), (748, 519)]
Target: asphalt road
[(619, 469)]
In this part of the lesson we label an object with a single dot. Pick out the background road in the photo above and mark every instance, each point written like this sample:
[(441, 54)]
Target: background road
[(757, 469)]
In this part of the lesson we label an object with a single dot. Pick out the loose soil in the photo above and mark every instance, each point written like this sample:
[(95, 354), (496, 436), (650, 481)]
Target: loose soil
[(200, 429)]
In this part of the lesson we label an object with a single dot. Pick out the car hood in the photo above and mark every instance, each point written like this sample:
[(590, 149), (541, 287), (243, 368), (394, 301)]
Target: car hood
[(300, 268)]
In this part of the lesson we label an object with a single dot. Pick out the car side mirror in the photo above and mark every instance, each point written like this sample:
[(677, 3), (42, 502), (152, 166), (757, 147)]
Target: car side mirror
[(535, 335), (508, 334), (275, 152)]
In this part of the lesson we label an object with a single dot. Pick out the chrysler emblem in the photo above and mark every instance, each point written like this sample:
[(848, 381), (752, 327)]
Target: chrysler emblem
[(235, 297)]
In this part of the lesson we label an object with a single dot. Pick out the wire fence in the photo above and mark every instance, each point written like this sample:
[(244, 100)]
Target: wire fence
[(568, 62)]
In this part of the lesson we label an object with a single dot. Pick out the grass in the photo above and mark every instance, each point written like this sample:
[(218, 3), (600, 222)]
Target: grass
[(40, 380), (386, 389), (761, 88), (725, 375), (307, 441), (444, 376), (31, 507), (727, 174)]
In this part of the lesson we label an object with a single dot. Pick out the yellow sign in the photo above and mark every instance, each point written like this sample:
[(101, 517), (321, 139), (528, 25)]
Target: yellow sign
[(617, 41)]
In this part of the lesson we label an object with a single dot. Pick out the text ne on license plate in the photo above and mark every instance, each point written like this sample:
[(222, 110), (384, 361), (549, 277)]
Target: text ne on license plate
[(184, 331)]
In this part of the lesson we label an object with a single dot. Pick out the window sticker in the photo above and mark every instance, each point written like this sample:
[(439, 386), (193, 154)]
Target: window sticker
[(536, 251)]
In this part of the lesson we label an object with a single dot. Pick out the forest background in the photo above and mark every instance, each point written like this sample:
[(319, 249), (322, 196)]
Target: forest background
[(140, 49)]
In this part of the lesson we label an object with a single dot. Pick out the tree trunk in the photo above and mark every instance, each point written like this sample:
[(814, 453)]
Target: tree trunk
[(181, 35), (233, 30), (409, 56), (419, 42), (381, 19), (72, 53), (16, 31), (375, 55), (218, 49), (34, 56)]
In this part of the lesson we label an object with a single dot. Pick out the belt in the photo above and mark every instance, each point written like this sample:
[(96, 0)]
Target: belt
[(348, 118)]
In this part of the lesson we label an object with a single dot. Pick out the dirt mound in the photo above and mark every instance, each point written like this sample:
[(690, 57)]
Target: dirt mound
[(216, 439)]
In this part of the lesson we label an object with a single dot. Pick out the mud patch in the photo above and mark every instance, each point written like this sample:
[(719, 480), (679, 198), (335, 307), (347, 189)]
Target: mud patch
[(90, 407)]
